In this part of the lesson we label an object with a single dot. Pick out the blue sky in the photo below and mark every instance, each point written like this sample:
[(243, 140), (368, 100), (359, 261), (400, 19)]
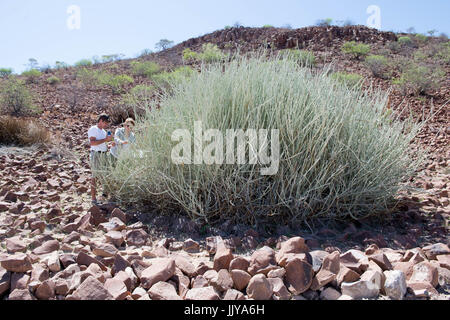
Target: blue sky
[(38, 29)]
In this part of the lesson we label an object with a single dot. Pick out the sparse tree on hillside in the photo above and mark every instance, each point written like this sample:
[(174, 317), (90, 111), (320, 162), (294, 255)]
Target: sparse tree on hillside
[(32, 64), (164, 44)]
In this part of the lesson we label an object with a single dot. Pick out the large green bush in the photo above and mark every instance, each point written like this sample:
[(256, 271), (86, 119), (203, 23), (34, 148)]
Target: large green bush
[(32, 76), (379, 65), (350, 80), (146, 68), (420, 79), (341, 155), (357, 50), (15, 98)]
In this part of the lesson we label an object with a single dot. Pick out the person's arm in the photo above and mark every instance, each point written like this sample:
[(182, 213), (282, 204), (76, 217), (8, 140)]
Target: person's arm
[(118, 139), (95, 142)]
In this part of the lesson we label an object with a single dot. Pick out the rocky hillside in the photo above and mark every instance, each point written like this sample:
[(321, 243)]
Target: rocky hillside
[(55, 245)]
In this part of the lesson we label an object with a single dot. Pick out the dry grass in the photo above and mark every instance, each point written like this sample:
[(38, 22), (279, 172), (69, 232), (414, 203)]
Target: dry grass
[(22, 132)]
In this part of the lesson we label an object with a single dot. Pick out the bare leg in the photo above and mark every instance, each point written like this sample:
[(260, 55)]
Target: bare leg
[(94, 189)]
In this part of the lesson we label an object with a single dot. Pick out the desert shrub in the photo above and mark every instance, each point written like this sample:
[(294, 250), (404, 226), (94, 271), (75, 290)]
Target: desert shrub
[(444, 52), (420, 38), (395, 46), (61, 65), (32, 76), (15, 98), (420, 79), (132, 104), (83, 63), (53, 80), (268, 26), (357, 50), (379, 65), (90, 78), (405, 41), (302, 57), (210, 53), (116, 83), (5, 72), (169, 79), (350, 80), (340, 155), (189, 55), (22, 132), (145, 69)]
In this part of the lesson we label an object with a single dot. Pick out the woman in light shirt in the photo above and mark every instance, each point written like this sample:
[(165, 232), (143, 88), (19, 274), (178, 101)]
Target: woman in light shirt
[(123, 138)]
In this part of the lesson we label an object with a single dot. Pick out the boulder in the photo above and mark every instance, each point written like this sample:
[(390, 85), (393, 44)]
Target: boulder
[(18, 262), (293, 245), (425, 272), (240, 279), (381, 260), (116, 288), (239, 263), (436, 249), (205, 293), (223, 281), (299, 276), (5, 280), (47, 247), (162, 269), (262, 261), (222, 257), (360, 289), (46, 290), (330, 294), (395, 284), (259, 288), (21, 294), (280, 292), (163, 291), (91, 289), (14, 245), (185, 266), (233, 294), (137, 237)]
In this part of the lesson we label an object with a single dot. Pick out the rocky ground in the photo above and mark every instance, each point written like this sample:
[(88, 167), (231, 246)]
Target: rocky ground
[(54, 245)]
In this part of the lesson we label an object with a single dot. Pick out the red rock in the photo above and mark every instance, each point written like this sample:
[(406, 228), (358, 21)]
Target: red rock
[(116, 288), (277, 273), (104, 250), (351, 261), (381, 260), (19, 281), (222, 257), (67, 260), (262, 261), (86, 260), (288, 257), (182, 282), (259, 288), (206, 293), (191, 246), (240, 279), (120, 264), (444, 260), (137, 237), (239, 263), (91, 289), (425, 272), (201, 268), (4, 206), (331, 263), (322, 278), (115, 237), (299, 276), (434, 250), (40, 225), (406, 267), (46, 290), (18, 262), (199, 282), (15, 245), (185, 266), (47, 247), (125, 278), (223, 281), (417, 286), (61, 287), (280, 292), (293, 245), (139, 266), (232, 294), (21, 294), (163, 291), (39, 273), (5, 280), (120, 215), (346, 275), (330, 294), (97, 216), (162, 269)]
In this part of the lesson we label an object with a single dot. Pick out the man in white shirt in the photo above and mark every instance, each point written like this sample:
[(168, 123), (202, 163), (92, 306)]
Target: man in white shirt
[(98, 139)]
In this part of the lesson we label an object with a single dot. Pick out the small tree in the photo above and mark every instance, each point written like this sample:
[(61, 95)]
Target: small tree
[(324, 22), (357, 50), (5, 72), (15, 99), (32, 64), (164, 44)]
